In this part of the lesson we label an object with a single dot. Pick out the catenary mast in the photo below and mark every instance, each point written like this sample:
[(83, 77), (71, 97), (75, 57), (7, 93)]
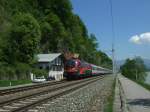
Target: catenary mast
[(113, 38)]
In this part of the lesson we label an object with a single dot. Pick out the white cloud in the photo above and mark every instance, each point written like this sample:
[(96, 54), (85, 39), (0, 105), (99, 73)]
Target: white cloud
[(141, 39)]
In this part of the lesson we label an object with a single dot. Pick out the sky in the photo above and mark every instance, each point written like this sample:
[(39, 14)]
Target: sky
[(131, 25)]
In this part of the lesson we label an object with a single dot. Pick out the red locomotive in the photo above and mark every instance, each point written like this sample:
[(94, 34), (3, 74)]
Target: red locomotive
[(75, 68)]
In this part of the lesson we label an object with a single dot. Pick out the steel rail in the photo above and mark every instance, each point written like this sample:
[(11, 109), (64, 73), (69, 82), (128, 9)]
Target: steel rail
[(29, 87), (35, 99)]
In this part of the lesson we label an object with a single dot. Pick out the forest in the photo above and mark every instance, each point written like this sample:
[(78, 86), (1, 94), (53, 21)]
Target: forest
[(29, 27)]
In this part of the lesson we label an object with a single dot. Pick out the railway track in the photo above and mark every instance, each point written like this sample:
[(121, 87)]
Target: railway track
[(23, 104), (29, 87)]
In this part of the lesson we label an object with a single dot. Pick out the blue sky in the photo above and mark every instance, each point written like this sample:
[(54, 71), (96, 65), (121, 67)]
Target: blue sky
[(131, 22)]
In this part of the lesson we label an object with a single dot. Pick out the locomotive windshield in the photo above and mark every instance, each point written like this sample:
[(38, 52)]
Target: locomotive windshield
[(70, 63)]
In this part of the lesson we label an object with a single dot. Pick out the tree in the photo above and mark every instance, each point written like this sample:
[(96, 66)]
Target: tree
[(134, 69), (63, 9), (54, 34), (23, 40)]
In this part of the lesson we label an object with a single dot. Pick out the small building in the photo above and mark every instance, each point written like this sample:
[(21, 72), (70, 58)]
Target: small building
[(53, 63)]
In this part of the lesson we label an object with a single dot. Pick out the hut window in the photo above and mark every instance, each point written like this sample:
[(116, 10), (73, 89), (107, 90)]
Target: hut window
[(47, 67)]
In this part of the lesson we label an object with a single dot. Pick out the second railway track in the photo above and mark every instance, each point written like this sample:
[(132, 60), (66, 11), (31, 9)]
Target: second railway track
[(28, 87), (23, 104)]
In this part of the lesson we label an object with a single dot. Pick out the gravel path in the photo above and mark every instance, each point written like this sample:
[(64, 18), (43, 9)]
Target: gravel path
[(90, 98)]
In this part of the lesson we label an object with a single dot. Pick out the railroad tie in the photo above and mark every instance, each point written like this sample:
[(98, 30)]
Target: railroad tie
[(32, 110), (4, 110)]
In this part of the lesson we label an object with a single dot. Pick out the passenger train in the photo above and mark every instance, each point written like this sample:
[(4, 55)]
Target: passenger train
[(75, 68)]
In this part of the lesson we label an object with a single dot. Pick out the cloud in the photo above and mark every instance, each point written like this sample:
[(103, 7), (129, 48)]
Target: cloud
[(143, 38)]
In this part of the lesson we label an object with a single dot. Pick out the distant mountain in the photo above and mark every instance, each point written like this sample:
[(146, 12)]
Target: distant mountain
[(121, 62)]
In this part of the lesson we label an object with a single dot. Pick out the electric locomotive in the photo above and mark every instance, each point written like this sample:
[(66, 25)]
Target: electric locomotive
[(75, 68)]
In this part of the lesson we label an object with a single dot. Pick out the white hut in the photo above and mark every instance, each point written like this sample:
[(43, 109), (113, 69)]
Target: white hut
[(53, 63)]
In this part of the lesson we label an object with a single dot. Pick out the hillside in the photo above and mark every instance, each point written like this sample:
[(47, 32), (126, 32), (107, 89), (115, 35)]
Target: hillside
[(29, 27)]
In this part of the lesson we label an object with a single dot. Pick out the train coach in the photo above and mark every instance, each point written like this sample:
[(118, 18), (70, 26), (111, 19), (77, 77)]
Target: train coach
[(75, 68), (97, 70)]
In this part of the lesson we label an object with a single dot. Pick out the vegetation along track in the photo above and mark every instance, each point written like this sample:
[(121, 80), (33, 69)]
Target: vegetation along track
[(25, 103)]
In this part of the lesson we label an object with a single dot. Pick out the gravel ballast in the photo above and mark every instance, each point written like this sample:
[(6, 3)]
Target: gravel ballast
[(90, 98)]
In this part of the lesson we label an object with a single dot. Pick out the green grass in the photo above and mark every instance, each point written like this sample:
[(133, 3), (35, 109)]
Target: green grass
[(13, 83), (147, 86), (110, 100)]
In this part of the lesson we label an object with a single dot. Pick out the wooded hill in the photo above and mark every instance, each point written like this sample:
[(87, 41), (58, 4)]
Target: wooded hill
[(29, 27)]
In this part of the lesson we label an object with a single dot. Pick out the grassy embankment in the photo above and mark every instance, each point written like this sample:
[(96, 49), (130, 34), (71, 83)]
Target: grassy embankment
[(13, 83), (110, 100), (147, 86)]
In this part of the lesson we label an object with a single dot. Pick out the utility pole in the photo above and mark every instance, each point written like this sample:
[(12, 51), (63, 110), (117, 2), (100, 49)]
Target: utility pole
[(136, 74), (113, 38), (113, 59)]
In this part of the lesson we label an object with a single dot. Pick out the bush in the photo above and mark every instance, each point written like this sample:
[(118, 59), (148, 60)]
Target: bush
[(19, 71), (7, 73), (2, 72), (22, 70), (39, 72)]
